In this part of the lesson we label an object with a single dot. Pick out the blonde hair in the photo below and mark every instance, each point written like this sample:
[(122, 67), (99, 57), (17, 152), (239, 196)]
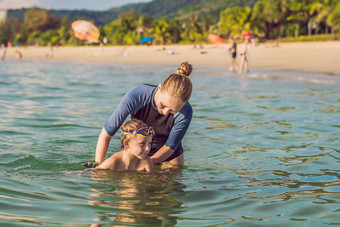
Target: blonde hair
[(129, 127), (179, 85)]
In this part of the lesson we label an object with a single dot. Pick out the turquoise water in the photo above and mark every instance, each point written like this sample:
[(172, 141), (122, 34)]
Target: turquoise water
[(260, 151)]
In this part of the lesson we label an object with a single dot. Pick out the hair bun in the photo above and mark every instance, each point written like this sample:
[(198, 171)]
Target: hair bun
[(185, 69)]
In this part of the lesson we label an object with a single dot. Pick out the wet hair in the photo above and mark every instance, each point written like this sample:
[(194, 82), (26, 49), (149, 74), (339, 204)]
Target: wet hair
[(179, 85), (130, 126)]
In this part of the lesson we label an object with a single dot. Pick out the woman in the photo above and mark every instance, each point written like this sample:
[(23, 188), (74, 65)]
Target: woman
[(244, 57), (232, 50), (164, 107)]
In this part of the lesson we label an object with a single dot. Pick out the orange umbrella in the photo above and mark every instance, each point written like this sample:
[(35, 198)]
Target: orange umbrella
[(215, 39), (85, 30)]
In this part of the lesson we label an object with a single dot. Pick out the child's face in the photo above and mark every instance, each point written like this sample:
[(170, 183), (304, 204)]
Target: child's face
[(140, 146)]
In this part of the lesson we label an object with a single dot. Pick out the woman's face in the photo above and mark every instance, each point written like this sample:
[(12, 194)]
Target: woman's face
[(165, 103)]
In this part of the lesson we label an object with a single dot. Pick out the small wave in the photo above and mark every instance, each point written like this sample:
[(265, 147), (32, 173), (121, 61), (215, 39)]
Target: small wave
[(54, 126), (315, 81), (294, 76), (6, 83), (9, 132), (262, 76)]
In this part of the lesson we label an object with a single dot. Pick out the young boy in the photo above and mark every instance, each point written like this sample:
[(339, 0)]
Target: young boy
[(136, 138)]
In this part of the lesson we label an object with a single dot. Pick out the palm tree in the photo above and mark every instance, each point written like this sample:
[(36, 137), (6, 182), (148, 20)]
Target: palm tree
[(300, 13), (322, 10), (192, 30), (333, 19), (268, 16), (143, 24), (175, 30), (233, 21), (160, 31), (122, 30)]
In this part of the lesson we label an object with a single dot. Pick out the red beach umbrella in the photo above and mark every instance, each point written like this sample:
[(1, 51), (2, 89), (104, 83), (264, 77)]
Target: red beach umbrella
[(215, 39), (246, 35)]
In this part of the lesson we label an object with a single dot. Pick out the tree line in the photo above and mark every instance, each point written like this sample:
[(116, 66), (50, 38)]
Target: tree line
[(267, 20)]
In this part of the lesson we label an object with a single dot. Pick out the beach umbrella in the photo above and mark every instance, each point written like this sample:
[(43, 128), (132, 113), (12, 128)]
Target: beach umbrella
[(246, 35), (84, 30), (215, 39), (146, 39)]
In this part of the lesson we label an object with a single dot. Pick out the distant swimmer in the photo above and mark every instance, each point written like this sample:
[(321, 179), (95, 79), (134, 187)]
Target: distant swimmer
[(50, 52), (3, 52), (19, 56)]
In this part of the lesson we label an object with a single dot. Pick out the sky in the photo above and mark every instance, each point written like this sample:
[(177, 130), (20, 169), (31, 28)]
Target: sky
[(66, 4)]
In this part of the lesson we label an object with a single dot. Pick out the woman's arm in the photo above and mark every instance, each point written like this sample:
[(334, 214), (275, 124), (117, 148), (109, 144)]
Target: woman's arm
[(102, 146), (181, 123), (162, 154)]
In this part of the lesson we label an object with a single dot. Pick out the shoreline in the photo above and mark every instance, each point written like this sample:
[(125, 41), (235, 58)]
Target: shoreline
[(316, 57)]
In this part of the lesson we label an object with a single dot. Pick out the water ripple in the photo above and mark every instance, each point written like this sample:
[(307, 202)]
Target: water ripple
[(261, 150)]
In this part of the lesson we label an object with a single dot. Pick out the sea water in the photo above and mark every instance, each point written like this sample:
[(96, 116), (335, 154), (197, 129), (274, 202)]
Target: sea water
[(261, 150)]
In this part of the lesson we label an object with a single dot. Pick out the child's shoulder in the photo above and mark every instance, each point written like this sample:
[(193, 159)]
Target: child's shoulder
[(116, 156), (112, 162)]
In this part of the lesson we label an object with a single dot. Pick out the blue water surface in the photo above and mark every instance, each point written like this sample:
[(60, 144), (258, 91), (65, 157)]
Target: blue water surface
[(262, 149)]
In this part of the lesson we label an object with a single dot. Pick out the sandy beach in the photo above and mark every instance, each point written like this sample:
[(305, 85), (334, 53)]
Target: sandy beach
[(321, 57)]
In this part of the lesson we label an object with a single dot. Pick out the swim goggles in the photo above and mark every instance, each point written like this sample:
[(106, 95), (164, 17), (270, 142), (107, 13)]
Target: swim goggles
[(143, 132)]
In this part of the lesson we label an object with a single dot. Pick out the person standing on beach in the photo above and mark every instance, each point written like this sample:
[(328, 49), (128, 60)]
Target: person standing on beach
[(164, 107), (232, 50), (19, 55), (244, 57), (3, 52)]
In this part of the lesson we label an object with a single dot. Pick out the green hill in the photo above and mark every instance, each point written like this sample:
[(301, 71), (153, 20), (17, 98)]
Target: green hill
[(166, 9), (181, 9)]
